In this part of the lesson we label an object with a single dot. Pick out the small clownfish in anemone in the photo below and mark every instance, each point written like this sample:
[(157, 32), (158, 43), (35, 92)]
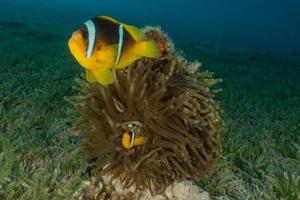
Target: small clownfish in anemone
[(131, 138), (103, 43)]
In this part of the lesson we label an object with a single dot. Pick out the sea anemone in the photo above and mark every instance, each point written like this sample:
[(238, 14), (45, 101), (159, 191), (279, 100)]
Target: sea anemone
[(173, 106)]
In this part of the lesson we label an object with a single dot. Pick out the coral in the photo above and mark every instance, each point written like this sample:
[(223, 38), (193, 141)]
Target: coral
[(173, 106), (102, 190), (185, 190), (97, 190)]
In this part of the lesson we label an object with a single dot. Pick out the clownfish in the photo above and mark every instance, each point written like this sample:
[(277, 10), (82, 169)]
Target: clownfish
[(130, 139), (103, 43)]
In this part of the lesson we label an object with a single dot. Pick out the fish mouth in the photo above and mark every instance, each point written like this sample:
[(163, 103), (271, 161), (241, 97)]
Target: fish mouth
[(75, 38), (72, 44)]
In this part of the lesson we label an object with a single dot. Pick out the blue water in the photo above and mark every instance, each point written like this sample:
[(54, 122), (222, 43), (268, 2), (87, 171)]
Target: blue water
[(272, 25)]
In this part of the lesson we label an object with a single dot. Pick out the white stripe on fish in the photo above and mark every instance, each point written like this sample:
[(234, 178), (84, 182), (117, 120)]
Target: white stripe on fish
[(132, 137), (120, 45), (92, 36)]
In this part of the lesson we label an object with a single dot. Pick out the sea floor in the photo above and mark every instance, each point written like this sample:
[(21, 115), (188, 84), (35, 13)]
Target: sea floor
[(260, 102)]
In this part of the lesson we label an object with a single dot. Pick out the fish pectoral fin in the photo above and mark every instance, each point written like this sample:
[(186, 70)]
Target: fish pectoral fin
[(107, 56), (103, 76), (90, 76), (147, 49), (135, 32)]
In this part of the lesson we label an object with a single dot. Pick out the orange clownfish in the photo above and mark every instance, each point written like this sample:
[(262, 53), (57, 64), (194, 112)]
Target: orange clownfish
[(103, 43), (130, 139)]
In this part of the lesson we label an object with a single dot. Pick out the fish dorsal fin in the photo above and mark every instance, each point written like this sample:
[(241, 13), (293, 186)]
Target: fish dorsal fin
[(135, 32), (110, 19)]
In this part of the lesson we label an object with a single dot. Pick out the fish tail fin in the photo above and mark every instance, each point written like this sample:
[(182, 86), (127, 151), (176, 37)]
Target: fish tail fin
[(148, 49), (141, 140)]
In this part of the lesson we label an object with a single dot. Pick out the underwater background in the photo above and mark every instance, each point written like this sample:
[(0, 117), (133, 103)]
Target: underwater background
[(254, 46)]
